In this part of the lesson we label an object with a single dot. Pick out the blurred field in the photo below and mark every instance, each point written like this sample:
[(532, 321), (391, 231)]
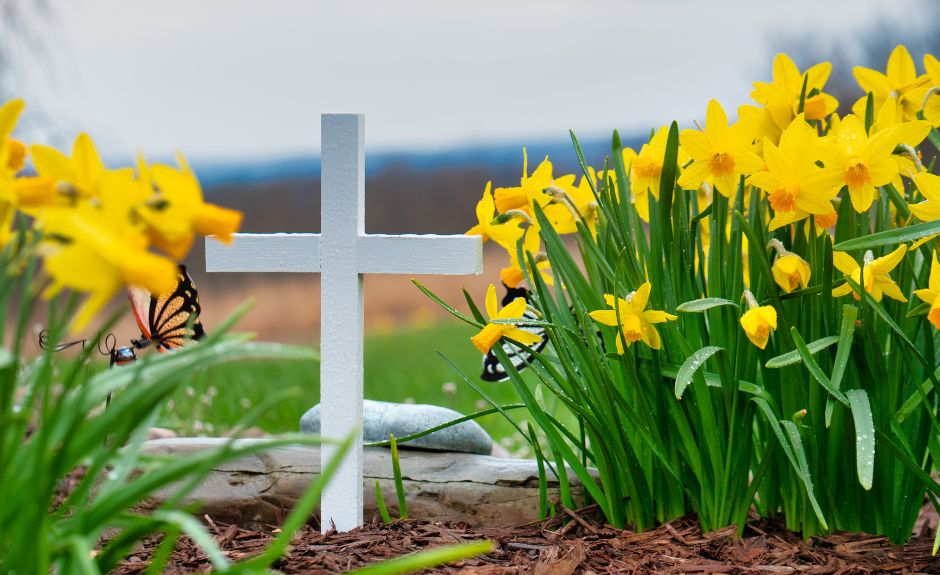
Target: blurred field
[(402, 366)]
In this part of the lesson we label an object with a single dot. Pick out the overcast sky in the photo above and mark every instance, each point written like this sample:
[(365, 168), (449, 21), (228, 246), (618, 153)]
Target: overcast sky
[(243, 78)]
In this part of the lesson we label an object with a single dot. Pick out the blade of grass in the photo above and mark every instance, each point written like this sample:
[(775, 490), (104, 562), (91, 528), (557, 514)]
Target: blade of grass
[(426, 559), (794, 357), (380, 503), (399, 485), (889, 237)]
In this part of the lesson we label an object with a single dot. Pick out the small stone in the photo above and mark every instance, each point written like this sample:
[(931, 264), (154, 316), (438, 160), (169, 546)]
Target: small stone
[(381, 418)]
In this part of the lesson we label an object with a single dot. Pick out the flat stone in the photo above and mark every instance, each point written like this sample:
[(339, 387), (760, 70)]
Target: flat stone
[(381, 418), (261, 489)]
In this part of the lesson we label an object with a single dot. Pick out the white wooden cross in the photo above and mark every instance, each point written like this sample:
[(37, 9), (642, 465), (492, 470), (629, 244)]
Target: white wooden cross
[(343, 252)]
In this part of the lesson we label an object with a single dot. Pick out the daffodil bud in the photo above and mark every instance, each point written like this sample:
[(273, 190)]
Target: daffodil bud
[(556, 193), (790, 271), (759, 321), (909, 151), (508, 215)]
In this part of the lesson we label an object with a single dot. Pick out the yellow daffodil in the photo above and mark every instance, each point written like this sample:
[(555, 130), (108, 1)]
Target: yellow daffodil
[(929, 187), (513, 275), (648, 168), (795, 185), (720, 154), (579, 202), (931, 294), (877, 282), (900, 85), (790, 271), (862, 163), (531, 190), (758, 321), (492, 332), (931, 104), (635, 321), (15, 193), (75, 177), (179, 211), (906, 136), (780, 98), (12, 152), (505, 233), (104, 250)]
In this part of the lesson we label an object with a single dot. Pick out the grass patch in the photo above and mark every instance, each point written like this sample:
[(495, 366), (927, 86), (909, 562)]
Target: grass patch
[(400, 366)]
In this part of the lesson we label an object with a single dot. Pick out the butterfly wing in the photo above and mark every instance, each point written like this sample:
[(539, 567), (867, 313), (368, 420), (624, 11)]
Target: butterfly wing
[(169, 319), (174, 316), (140, 305)]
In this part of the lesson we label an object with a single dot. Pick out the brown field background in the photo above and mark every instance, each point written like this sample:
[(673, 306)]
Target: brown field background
[(398, 200)]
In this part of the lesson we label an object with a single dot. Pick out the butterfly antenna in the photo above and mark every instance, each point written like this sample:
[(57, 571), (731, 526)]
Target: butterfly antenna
[(45, 345)]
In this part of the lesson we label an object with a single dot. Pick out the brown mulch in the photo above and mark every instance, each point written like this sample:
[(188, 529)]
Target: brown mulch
[(579, 546)]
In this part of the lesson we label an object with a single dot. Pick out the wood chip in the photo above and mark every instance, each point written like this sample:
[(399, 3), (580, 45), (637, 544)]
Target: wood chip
[(583, 545)]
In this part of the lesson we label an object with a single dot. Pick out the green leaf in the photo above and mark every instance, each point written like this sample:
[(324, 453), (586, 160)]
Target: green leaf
[(864, 436), (796, 443), (793, 357), (197, 532), (922, 309), (6, 358), (814, 368), (843, 352), (889, 237), (691, 365), (302, 509), (427, 559), (703, 304)]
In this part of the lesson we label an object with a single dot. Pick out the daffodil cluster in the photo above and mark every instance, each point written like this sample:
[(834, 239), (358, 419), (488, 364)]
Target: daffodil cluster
[(791, 147), (506, 215), (103, 229), (748, 318)]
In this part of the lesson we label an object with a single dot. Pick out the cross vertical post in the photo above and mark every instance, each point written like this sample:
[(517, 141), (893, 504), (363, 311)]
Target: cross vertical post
[(342, 221), (342, 253)]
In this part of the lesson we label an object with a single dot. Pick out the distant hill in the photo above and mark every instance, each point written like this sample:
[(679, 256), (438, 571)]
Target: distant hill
[(492, 157)]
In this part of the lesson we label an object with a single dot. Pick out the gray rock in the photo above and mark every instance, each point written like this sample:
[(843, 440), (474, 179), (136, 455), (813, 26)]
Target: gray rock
[(380, 418), (261, 489)]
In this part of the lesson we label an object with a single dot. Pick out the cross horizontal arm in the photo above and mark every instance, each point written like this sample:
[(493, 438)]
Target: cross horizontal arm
[(265, 253), (420, 255), (378, 254)]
